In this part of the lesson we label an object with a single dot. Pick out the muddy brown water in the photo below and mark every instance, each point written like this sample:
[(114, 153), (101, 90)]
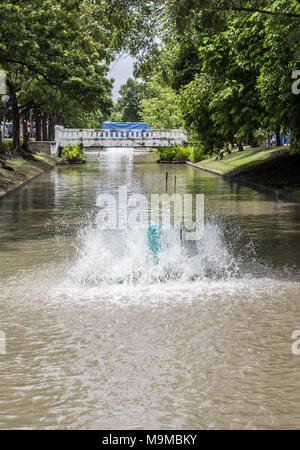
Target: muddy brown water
[(205, 343)]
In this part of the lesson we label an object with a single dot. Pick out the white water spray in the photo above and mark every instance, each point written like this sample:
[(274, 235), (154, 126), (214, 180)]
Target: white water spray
[(124, 257)]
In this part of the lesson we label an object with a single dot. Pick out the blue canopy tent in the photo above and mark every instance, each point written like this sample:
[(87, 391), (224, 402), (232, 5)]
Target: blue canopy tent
[(126, 129), (125, 126)]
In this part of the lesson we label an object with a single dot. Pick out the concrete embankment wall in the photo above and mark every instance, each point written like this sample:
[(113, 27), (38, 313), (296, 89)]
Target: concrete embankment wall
[(42, 147)]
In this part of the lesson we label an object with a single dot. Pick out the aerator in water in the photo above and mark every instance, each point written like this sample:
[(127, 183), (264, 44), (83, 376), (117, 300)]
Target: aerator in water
[(154, 241)]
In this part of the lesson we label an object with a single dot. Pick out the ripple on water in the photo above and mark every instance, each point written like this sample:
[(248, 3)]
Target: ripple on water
[(106, 338)]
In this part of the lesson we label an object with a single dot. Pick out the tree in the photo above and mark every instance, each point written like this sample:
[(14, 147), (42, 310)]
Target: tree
[(53, 54), (127, 106), (231, 58), (195, 101), (238, 78), (184, 11), (160, 107), (281, 57)]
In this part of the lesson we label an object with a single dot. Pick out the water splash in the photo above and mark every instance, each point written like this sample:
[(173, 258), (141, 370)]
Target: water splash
[(116, 257)]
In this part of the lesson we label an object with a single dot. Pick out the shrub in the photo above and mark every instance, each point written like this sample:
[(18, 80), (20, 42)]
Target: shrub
[(258, 138), (198, 153), (73, 153), (184, 153), (174, 153), (166, 153)]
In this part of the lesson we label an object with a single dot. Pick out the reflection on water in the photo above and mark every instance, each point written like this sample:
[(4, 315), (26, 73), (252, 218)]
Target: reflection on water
[(99, 336)]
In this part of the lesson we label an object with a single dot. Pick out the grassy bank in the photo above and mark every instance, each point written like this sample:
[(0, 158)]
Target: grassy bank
[(7, 144), (239, 161), (24, 170), (274, 168)]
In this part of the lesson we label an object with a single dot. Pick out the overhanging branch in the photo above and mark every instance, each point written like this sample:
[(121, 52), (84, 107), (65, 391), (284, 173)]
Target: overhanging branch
[(256, 10)]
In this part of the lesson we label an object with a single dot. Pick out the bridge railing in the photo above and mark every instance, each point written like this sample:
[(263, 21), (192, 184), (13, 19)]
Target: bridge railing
[(108, 134), (106, 138)]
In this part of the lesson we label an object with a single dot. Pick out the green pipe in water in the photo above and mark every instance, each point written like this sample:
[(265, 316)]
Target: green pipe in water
[(154, 244)]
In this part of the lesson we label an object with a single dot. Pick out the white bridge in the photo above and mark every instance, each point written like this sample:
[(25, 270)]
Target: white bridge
[(118, 138)]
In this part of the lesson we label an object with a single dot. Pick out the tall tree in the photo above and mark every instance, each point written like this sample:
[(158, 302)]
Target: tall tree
[(160, 105), (127, 106), (63, 46)]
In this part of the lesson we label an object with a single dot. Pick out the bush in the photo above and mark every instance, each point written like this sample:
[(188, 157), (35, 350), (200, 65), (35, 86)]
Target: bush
[(174, 153), (166, 153), (6, 146), (73, 153), (193, 153), (184, 153), (198, 153), (258, 138)]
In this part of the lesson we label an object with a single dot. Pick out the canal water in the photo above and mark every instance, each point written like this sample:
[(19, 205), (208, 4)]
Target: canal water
[(95, 340)]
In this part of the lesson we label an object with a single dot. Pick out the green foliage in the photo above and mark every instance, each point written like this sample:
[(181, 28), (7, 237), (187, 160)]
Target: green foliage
[(198, 153), (92, 119), (52, 45), (195, 102), (222, 68), (295, 148), (160, 105), (231, 63), (193, 153), (127, 107), (223, 105), (153, 102), (5, 146), (56, 55), (166, 153), (73, 153), (174, 153), (259, 137), (183, 153)]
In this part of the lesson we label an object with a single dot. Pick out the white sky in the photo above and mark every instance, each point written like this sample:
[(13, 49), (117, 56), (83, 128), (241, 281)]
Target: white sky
[(121, 71)]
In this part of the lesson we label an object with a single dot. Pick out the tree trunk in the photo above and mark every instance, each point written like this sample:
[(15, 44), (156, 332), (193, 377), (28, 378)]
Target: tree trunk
[(2, 118), (278, 143), (51, 130), (16, 125), (16, 128), (253, 141), (13, 102), (44, 127), (38, 124), (25, 132), (59, 119)]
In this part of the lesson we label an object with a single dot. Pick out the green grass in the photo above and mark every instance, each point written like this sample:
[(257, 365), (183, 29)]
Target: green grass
[(7, 143), (47, 159), (24, 170), (18, 161), (238, 161)]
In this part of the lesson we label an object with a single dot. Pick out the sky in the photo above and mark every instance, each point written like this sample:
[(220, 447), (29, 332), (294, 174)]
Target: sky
[(121, 71)]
